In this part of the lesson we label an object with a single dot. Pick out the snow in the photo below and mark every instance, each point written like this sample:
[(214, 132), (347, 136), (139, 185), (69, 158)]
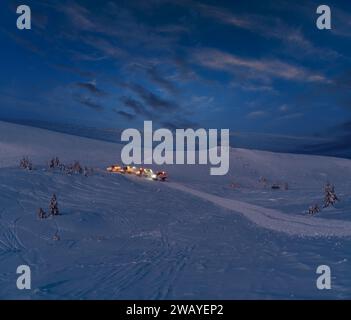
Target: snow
[(274, 219), (195, 237)]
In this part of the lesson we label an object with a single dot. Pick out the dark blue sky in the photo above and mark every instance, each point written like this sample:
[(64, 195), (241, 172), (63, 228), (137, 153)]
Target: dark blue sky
[(252, 66)]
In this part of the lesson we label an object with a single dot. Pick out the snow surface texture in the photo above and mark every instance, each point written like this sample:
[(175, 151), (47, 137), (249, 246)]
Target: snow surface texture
[(197, 236)]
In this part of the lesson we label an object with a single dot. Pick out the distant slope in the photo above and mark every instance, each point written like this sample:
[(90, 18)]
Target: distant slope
[(109, 135), (327, 146), (17, 141)]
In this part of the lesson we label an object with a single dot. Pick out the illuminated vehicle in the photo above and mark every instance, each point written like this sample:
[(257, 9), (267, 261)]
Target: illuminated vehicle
[(128, 169), (148, 173), (115, 169), (140, 172), (161, 175)]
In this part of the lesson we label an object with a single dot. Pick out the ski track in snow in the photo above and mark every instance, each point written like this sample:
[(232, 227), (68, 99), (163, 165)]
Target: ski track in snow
[(273, 219)]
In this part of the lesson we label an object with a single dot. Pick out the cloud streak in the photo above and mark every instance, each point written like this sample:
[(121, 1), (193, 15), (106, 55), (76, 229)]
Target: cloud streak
[(91, 87), (257, 68), (268, 27), (137, 107), (151, 99), (125, 114), (161, 81), (88, 102)]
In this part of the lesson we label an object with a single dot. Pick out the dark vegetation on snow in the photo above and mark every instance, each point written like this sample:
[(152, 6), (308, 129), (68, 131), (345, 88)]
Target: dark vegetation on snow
[(55, 165)]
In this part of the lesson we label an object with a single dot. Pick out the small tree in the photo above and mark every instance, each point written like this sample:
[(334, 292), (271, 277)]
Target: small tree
[(51, 164), (313, 209), (54, 163), (56, 236), (22, 163), (330, 196), (41, 213), (25, 163), (77, 168), (54, 206)]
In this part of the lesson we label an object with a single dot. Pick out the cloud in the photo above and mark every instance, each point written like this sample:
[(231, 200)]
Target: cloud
[(106, 47), (118, 23), (267, 27), (252, 87), (154, 107), (163, 82), (78, 15), (92, 57), (341, 22), (149, 98), (284, 108), (151, 70), (23, 42), (91, 87), (73, 70), (125, 114), (185, 72), (40, 20), (256, 68), (136, 106), (291, 116), (88, 102), (202, 101), (256, 114), (179, 124), (172, 29), (226, 17)]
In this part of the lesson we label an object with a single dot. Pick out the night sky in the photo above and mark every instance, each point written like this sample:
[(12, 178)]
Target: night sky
[(260, 68)]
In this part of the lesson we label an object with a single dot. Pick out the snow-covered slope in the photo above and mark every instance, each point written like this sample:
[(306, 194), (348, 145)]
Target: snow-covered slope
[(197, 236), (40, 145)]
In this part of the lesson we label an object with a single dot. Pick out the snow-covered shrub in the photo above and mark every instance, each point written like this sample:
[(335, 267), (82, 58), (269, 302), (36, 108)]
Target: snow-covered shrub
[(314, 209), (54, 163), (74, 168), (25, 163), (41, 213), (330, 196), (54, 206)]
